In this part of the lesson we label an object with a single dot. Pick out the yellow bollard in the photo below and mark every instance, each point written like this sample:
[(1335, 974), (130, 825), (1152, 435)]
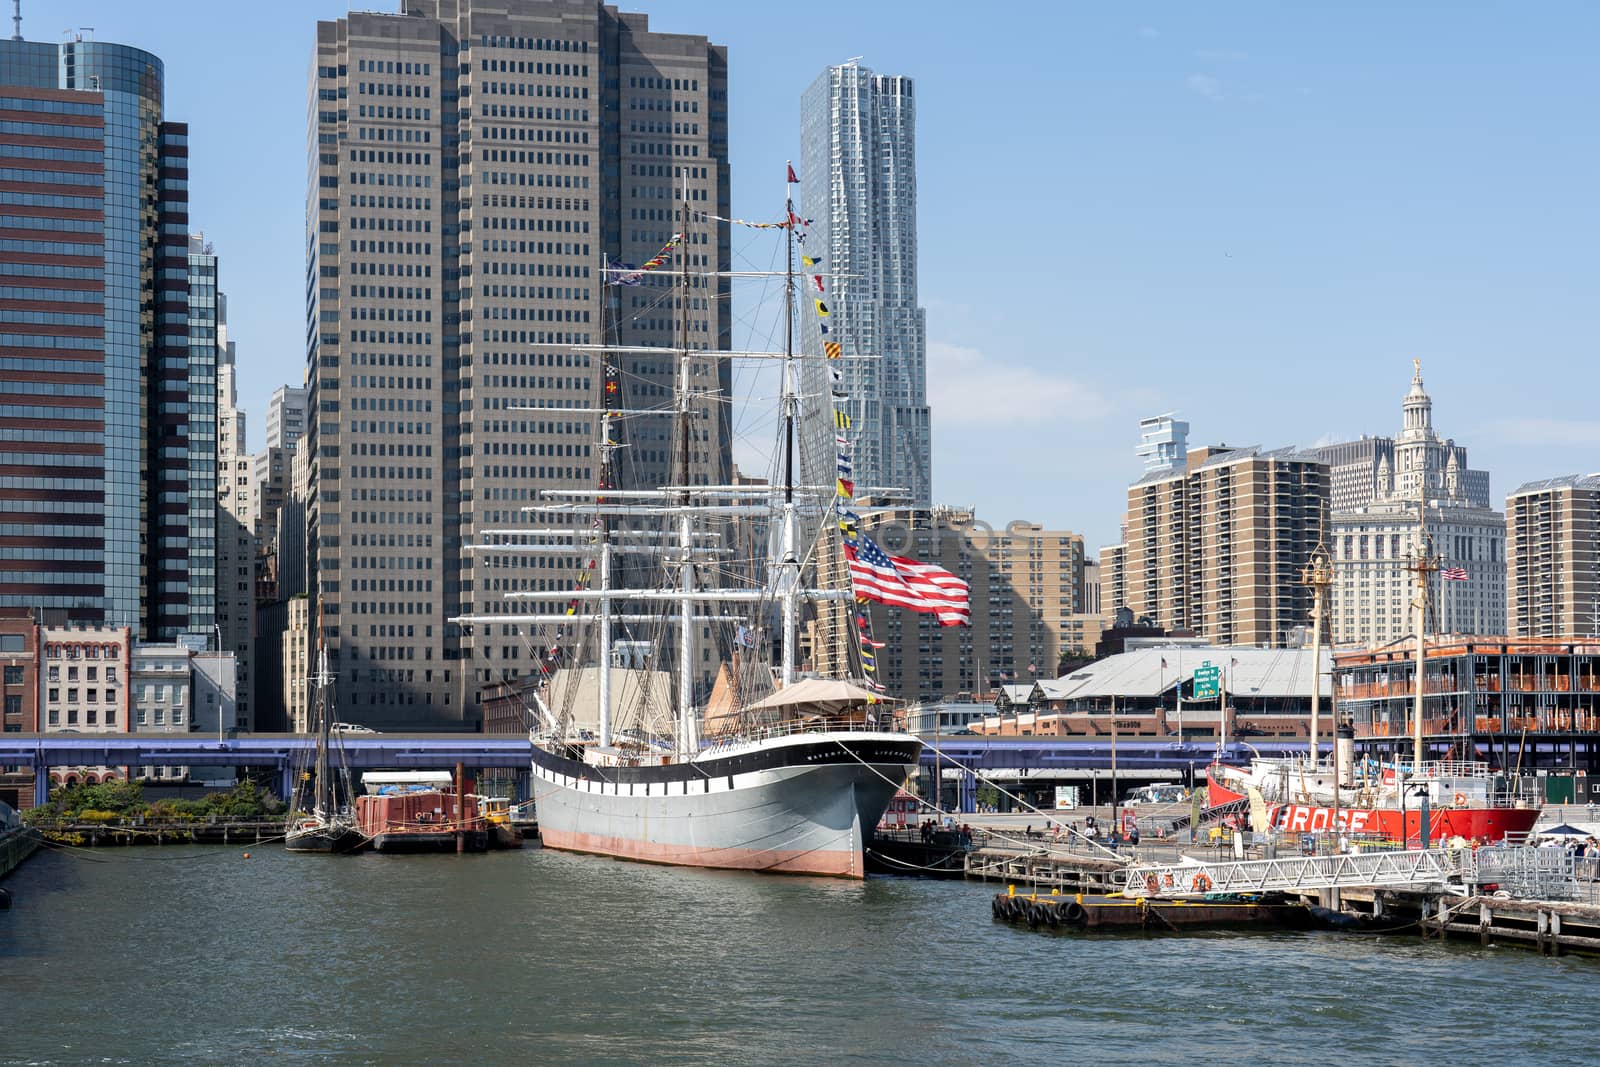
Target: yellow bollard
[(1055, 892), (1011, 890)]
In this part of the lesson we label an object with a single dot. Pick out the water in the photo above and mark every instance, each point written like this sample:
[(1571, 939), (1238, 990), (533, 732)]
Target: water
[(197, 955)]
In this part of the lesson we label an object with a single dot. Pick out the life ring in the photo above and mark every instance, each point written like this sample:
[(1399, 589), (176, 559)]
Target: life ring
[(1461, 800), (1167, 880), (1152, 883), (1201, 883)]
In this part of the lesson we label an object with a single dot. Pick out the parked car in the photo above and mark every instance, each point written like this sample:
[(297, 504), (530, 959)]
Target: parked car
[(350, 728)]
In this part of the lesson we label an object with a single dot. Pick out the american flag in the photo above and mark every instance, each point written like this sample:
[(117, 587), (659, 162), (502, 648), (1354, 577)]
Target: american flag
[(1453, 574), (906, 583)]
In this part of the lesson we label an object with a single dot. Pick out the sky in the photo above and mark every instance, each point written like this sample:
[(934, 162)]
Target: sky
[(1255, 215)]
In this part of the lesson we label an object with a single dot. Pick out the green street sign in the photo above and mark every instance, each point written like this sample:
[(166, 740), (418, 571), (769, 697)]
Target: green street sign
[(1207, 682)]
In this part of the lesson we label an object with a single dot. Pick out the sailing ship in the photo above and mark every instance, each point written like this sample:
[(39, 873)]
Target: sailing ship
[(1421, 803), (793, 782), (318, 821)]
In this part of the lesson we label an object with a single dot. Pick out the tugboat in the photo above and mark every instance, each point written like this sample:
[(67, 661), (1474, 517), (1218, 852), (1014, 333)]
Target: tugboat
[(317, 821)]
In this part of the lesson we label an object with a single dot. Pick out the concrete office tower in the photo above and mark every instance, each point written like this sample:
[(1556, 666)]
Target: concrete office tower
[(286, 416), (472, 162), (1374, 532), (1553, 557), (99, 403), (286, 422), (1218, 547), (236, 543), (1028, 604), (858, 171)]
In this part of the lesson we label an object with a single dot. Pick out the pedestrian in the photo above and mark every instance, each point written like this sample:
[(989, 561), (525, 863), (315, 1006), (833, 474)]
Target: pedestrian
[(1133, 835)]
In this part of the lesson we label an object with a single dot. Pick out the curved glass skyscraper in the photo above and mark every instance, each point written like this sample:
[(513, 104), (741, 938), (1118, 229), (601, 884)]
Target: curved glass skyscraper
[(104, 411)]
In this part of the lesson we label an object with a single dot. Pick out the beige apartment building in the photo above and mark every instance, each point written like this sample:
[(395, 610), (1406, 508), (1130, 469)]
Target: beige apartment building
[(1553, 557), (1027, 606), (1217, 544), (472, 165)]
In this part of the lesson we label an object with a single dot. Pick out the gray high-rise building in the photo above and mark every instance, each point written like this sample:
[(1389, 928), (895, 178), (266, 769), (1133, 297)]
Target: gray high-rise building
[(286, 416), (473, 162), (859, 189)]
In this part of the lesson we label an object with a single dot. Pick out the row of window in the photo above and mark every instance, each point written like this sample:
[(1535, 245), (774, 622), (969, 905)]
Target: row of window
[(69, 155), (51, 129), (53, 107), (51, 177), (392, 66), (390, 111)]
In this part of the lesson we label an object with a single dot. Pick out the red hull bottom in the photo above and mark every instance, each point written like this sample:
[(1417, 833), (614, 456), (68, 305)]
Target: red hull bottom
[(1471, 824), (833, 863)]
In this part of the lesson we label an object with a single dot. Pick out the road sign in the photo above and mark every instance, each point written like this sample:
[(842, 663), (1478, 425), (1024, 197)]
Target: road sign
[(1207, 681)]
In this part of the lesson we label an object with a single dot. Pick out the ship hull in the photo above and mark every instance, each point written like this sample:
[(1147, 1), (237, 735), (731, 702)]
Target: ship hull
[(325, 839), (1488, 824), (800, 808)]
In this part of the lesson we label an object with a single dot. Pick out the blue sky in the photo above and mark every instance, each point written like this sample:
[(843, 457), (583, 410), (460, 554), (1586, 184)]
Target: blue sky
[(1254, 214)]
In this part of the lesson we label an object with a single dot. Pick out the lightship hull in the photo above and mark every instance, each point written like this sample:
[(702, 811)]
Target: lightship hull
[(1472, 823), (795, 805)]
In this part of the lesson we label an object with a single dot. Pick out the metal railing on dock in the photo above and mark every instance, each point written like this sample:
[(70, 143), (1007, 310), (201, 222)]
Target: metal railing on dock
[(1446, 869)]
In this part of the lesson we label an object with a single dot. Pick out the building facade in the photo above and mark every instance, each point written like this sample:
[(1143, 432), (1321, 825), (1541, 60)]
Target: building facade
[(1027, 600), (859, 192), (1374, 534), (472, 165), (20, 666), (1530, 703), (105, 421), (1217, 548), (235, 538), (286, 416), (1553, 557)]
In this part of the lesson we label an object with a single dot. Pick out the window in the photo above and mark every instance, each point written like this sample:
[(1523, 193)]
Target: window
[(14, 675), (55, 674)]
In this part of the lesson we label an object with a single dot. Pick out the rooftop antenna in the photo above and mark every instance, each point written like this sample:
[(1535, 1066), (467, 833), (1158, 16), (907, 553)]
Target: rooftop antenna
[(16, 20)]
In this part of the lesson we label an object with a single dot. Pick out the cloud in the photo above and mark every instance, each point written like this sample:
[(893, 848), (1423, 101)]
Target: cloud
[(1565, 433), (966, 387), (1204, 85), (1219, 55)]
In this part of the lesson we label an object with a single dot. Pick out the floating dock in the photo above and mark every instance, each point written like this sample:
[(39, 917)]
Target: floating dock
[(1092, 912)]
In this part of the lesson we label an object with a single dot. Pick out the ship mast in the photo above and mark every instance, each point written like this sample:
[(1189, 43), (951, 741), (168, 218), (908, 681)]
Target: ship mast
[(324, 799), (789, 563), (1319, 576), (1422, 566), (685, 528)]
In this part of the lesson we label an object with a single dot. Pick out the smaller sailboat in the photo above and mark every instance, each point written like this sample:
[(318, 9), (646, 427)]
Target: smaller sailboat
[(317, 821)]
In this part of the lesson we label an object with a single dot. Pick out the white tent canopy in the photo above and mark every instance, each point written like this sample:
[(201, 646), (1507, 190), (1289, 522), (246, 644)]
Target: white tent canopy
[(818, 695)]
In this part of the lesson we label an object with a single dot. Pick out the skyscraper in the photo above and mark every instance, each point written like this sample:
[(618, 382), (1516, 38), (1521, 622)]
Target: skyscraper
[(1553, 557), (1378, 485), (235, 537), (859, 189), (105, 418), (472, 162), (1217, 544), (286, 416)]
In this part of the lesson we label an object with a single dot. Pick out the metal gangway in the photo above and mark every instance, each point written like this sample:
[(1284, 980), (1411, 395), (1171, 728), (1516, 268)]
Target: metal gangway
[(1451, 870), (1213, 813)]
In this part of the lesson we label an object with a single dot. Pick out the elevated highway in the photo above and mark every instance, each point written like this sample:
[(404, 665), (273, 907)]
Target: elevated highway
[(280, 752)]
